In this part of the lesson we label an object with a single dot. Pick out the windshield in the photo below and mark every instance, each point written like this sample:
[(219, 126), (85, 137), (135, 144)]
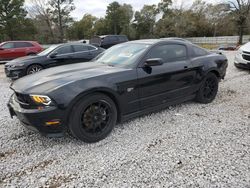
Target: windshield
[(122, 55), (48, 50)]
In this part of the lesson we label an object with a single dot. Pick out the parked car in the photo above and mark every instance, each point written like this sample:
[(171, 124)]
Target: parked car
[(86, 41), (177, 38), (242, 58), (55, 55), (13, 49), (106, 41), (125, 81), (227, 47)]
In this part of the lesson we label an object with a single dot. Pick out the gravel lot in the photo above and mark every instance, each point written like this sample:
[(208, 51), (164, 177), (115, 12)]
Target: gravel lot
[(188, 145)]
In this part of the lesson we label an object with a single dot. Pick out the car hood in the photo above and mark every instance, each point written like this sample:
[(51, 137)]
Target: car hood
[(24, 59), (246, 47), (51, 79)]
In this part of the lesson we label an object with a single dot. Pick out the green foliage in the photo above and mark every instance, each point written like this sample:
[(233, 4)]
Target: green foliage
[(145, 20), (60, 11), (13, 16), (84, 29)]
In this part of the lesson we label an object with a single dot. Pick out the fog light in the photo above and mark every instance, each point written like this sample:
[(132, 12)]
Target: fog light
[(52, 123)]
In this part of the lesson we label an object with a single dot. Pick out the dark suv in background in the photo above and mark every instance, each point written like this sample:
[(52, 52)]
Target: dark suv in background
[(106, 41)]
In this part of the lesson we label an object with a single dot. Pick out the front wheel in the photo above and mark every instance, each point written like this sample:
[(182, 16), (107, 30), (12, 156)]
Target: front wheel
[(33, 69), (93, 118), (208, 89)]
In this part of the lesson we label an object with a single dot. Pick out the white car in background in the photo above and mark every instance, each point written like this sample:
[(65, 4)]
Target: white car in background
[(242, 58)]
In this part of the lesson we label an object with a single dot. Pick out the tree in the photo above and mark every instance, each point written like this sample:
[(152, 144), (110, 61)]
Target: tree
[(60, 10), (12, 14), (113, 17), (83, 29), (145, 21), (126, 16), (241, 10), (101, 27), (163, 7), (39, 11)]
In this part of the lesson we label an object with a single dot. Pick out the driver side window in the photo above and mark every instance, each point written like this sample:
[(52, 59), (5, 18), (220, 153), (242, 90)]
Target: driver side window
[(8, 45), (169, 52), (64, 50)]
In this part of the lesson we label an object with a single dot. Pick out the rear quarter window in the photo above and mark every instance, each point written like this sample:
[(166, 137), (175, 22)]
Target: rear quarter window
[(23, 45), (122, 39), (80, 48), (199, 51), (64, 50)]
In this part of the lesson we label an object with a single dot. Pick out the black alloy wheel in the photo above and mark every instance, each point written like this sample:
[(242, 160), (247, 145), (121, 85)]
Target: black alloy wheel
[(96, 117), (93, 118), (208, 89)]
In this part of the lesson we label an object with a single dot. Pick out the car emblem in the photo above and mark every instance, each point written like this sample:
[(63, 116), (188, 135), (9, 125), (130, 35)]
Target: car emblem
[(130, 89)]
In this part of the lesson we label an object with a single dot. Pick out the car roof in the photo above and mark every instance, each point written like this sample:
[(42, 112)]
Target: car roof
[(155, 41), (20, 41), (103, 36), (72, 43)]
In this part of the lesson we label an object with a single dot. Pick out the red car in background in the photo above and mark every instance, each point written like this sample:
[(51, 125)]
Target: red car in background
[(13, 49)]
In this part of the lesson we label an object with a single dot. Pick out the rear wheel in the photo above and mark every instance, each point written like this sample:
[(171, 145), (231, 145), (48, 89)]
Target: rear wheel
[(33, 69), (93, 118), (208, 89)]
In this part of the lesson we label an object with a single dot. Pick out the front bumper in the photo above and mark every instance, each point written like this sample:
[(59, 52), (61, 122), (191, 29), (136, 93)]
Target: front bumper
[(241, 63), (35, 119), (14, 73)]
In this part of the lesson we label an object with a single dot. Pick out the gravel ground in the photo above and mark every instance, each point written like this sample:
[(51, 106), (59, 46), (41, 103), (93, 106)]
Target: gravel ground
[(188, 145)]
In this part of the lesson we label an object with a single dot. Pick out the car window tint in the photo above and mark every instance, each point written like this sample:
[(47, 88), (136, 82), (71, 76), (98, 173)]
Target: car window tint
[(113, 39), (122, 38), (105, 39), (64, 50), (199, 51), (80, 48), (23, 44), (91, 48), (169, 53), (8, 45)]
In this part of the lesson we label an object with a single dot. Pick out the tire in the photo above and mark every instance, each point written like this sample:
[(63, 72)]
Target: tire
[(33, 69), (93, 118), (208, 89)]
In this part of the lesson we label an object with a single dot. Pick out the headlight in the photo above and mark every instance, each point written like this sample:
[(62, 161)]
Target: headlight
[(41, 99), (17, 65), (240, 52)]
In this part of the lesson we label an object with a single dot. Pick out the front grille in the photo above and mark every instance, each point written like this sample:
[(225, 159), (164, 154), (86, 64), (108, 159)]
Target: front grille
[(22, 98), (246, 52), (246, 57)]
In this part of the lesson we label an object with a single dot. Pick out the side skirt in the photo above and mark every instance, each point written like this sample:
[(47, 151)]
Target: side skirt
[(156, 108)]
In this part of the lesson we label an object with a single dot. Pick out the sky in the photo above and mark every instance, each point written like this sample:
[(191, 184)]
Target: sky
[(98, 7)]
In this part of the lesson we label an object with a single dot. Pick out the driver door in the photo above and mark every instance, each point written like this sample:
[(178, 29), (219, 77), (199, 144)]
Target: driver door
[(62, 56), (168, 82)]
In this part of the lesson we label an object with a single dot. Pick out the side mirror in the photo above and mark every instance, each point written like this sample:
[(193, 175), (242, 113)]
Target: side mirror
[(53, 55), (153, 62)]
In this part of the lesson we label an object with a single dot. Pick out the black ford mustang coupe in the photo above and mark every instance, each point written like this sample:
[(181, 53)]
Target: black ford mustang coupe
[(127, 80)]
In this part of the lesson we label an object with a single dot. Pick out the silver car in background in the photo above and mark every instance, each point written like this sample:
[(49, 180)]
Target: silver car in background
[(242, 58)]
